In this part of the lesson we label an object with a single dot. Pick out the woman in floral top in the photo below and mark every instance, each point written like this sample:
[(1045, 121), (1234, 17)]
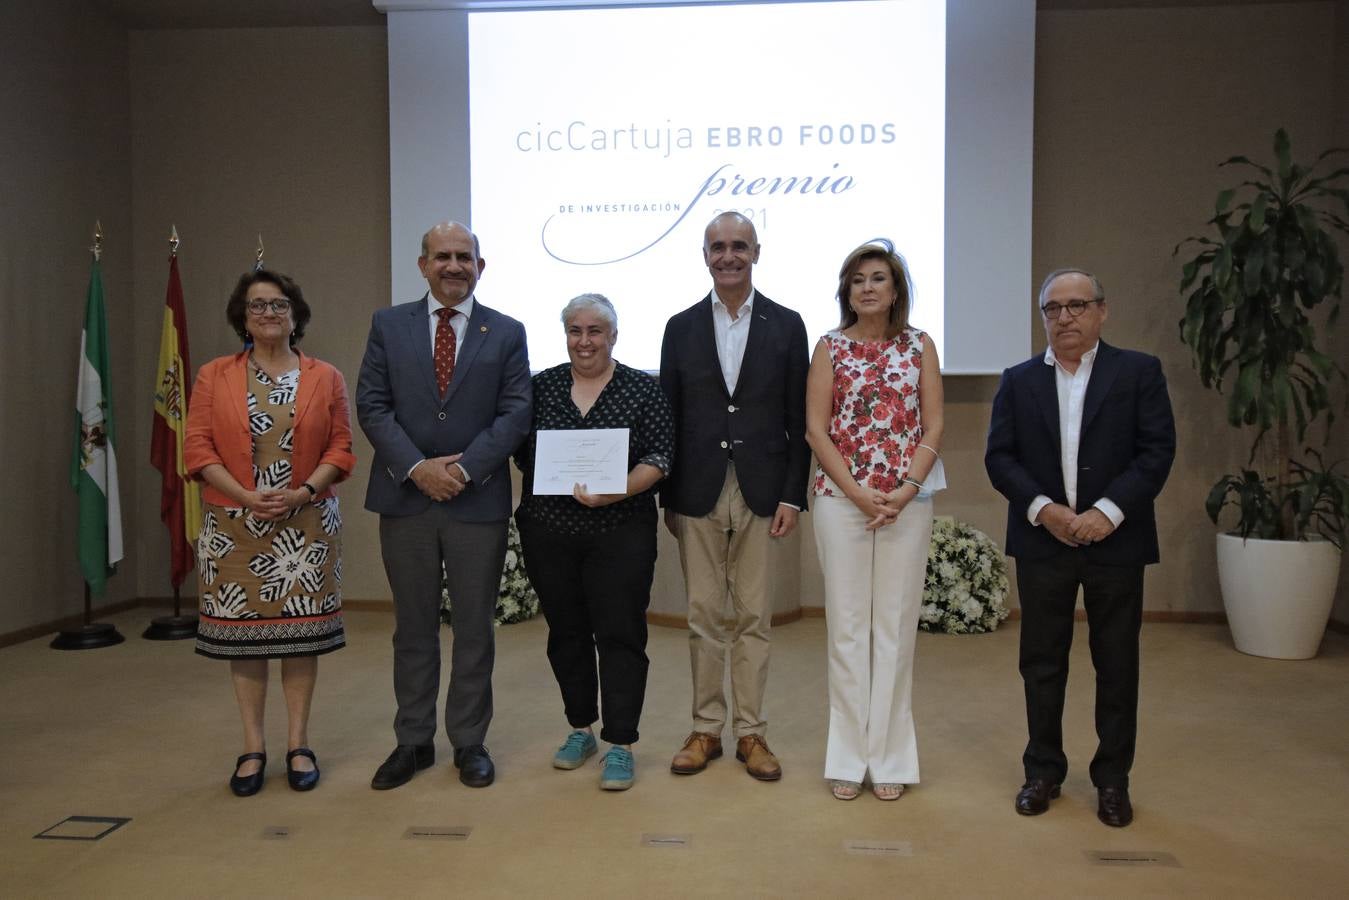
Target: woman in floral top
[(874, 421), (591, 557)]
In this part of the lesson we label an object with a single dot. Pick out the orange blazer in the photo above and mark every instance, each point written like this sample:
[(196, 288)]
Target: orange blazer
[(217, 424)]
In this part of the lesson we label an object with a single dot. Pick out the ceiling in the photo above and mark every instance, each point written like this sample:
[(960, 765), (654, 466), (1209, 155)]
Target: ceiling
[(281, 13), (239, 13)]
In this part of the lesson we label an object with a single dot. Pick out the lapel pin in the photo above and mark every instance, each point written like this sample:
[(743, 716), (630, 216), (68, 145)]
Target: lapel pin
[(482, 328)]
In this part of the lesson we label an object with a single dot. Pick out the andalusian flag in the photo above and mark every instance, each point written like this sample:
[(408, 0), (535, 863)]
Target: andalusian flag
[(93, 465), (179, 496)]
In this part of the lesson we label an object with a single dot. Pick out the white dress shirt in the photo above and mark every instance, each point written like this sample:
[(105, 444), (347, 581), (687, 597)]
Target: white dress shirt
[(1072, 392), (731, 337), (458, 323)]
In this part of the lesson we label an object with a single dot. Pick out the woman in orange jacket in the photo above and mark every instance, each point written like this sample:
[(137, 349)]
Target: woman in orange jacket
[(269, 433)]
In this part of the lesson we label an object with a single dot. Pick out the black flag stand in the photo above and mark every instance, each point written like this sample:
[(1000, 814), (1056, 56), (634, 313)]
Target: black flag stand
[(176, 627), (89, 636)]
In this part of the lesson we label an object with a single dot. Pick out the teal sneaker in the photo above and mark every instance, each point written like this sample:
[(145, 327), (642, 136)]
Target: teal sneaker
[(579, 746), (617, 774)]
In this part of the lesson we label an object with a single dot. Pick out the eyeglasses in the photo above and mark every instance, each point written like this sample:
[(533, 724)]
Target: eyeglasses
[(279, 305), (1075, 308)]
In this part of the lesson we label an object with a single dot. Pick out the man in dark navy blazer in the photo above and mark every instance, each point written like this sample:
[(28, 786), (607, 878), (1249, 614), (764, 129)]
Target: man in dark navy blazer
[(1080, 443), (734, 368), (444, 397)]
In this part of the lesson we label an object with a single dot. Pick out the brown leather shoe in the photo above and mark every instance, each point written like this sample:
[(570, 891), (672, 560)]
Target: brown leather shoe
[(758, 759), (699, 748)]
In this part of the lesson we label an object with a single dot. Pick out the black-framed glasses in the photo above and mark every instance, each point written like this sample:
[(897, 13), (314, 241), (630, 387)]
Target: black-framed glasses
[(1053, 308), (278, 305)]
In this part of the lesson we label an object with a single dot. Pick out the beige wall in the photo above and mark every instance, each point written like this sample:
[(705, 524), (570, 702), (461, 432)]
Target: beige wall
[(1340, 349), (65, 160), (284, 131), (278, 131), (1133, 110)]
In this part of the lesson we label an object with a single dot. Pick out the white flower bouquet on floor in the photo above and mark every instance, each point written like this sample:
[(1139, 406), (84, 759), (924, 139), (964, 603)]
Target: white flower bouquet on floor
[(516, 601), (965, 590)]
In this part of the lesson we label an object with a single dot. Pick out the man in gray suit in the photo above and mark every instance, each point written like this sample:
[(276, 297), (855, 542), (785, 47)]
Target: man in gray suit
[(444, 398)]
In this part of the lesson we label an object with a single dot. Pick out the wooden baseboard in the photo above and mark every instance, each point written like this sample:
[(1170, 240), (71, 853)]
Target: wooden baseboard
[(665, 620), (1189, 617), (34, 631), (368, 605)]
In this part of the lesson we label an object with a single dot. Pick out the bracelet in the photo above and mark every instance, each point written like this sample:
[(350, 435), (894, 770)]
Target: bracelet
[(313, 492), (917, 484), (929, 450)]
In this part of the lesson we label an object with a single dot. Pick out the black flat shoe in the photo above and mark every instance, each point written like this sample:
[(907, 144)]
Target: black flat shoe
[(248, 785), (302, 781), (474, 765), (405, 761)]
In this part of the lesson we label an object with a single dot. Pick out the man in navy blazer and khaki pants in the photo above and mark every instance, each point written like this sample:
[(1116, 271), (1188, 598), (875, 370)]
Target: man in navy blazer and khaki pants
[(444, 397), (1080, 443), (734, 368)]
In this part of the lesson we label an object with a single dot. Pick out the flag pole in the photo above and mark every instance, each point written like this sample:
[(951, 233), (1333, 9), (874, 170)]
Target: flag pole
[(176, 627), (91, 635)]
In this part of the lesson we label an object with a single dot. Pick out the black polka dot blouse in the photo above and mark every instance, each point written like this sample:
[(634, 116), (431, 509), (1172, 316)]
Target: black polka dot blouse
[(632, 400)]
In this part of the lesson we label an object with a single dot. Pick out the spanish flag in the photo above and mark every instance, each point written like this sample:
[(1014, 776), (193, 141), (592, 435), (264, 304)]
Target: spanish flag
[(179, 497)]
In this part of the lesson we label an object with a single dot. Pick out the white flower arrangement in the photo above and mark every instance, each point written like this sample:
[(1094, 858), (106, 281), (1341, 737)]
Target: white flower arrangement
[(965, 590), (516, 601)]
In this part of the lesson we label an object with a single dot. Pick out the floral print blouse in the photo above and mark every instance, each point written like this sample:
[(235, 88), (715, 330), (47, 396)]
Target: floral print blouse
[(875, 419)]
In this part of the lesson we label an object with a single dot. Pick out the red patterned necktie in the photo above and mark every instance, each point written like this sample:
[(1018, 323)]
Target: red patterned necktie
[(444, 350)]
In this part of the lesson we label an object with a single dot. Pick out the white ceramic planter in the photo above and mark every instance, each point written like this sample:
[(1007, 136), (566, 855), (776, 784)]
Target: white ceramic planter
[(1278, 594)]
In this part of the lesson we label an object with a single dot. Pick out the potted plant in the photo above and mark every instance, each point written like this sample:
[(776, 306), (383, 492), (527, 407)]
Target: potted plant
[(1258, 290)]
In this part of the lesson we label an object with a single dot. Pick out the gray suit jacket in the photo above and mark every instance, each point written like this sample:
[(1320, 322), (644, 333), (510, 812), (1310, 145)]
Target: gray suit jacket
[(484, 415)]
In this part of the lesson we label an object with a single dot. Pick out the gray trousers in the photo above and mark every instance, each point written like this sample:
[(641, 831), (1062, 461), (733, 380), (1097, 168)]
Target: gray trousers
[(414, 549)]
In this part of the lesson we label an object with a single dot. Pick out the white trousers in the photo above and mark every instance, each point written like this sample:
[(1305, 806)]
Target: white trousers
[(873, 590)]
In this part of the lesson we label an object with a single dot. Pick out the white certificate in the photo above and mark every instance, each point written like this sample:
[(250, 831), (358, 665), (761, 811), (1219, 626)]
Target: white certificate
[(594, 457)]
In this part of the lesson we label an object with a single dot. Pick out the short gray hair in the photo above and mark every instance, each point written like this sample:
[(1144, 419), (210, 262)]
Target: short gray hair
[(1097, 292), (597, 302)]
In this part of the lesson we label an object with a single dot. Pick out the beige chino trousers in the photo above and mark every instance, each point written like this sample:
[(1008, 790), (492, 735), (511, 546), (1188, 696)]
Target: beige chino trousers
[(724, 555)]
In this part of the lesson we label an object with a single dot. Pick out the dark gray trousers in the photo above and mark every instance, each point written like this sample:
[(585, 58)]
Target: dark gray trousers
[(414, 549)]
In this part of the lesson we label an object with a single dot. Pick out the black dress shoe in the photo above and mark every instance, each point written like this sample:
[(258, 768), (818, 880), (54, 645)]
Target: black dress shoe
[(1034, 796), (1114, 808), (302, 781), (248, 785), (405, 761), (474, 765)]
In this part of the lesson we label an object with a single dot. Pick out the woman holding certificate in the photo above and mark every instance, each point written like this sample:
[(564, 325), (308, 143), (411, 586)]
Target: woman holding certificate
[(874, 420), (591, 555)]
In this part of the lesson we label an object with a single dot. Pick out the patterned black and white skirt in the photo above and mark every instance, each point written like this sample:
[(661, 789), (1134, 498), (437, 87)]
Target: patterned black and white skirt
[(270, 589)]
